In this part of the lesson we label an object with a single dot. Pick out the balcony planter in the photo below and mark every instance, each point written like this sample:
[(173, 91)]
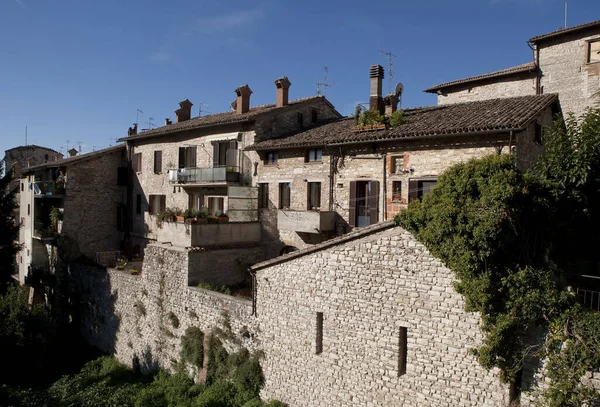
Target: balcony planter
[(202, 221), (223, 219), (179, 219), (212, 219)]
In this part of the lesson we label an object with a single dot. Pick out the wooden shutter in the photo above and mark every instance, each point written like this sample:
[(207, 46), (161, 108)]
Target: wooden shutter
[(163, 203), (215, 154), (352, 206), (157, 162), (374, 203), (181, 157), (152, 201), (192, 157), (413, 190)]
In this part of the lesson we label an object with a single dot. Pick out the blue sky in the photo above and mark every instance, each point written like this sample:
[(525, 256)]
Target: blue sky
[(77, 70)]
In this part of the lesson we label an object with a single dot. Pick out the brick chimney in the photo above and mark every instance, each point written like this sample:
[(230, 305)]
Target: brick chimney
[(375, 100), (72, 152), (283, 85), (391, 104), (242, 103), (185, 111)]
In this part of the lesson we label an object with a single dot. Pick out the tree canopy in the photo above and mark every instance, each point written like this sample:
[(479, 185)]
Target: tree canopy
[(9, 233)]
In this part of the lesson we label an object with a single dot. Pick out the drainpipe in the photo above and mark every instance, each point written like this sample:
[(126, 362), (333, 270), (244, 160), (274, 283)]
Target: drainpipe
[(384, 186), (536, 58), (331, 180), (254, 290), (129, 223)]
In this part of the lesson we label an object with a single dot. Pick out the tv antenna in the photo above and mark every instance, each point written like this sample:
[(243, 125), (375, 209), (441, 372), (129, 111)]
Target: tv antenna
[(389, 56), (95, 147), (150, 123), (322, 86), (79, 143), (200, 111), (565, 14), (111, 141), (137, 115)]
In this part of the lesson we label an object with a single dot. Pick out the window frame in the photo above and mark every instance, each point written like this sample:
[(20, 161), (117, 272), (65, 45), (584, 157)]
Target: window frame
[(157, 203), (538, 136), (271, 157), (285, 197), (137, 160), (313, 187), (589, 51), (158, 161), (396, 195), (395, 170), (263, 195), (315, 152)]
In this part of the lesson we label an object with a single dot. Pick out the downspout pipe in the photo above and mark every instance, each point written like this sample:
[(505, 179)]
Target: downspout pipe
[(130, 209), (384, 186), (536, 58)]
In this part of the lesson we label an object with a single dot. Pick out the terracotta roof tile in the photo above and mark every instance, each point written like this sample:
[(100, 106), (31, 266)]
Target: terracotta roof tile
[(564, 31), (77, 158), (528, 67), (462, 118), (215, 119)]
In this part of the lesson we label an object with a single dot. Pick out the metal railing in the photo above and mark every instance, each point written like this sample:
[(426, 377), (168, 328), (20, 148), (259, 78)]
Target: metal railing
[(589, 299), (195, 175)]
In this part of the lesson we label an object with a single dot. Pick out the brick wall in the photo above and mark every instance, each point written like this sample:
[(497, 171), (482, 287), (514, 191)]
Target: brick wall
[(367, 289)]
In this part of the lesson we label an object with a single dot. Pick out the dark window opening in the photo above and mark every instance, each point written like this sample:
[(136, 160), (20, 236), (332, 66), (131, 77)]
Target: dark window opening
[(187, 157), (137, 162), (28, 209), (224, 154), (22, 187), (319, 336), (397, 191), (157, 162), (417, 189), (284, 195), (314, 115), (314, 196), (314, 155), (402, 350), (397, 164), (271, 158), (538, 134), (300, 119), (157, 204), (364, 203), (263, 195), (138, 204)]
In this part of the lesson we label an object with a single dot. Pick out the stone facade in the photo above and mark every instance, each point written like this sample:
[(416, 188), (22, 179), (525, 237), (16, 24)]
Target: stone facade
[(516, 85), (565, 70), (422, 160), (132, 317), (367, 288)]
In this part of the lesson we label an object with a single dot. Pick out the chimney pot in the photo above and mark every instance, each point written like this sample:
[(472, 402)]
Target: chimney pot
[(391, 104), (243, 99), (282, 84), (185, 111), (168, 121), (375, 99)]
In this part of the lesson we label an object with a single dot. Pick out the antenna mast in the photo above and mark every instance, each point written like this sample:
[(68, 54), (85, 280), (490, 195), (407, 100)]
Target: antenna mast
[(201, 105), (150, 123), (389, 56), (565, 14), (25, 134), (322, 86), (137, 116)]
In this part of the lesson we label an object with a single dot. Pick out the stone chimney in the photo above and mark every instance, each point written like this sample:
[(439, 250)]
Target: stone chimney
[(391, 104), (168, 121), (242, 103), (283, 85), (375, 100), (185, 111), (72, 152)]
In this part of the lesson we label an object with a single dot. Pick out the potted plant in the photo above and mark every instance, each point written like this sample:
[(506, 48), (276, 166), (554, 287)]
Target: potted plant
[(178, 215), (212, 219), (370, 120), (202, 215), (223, 218), (135, 272)]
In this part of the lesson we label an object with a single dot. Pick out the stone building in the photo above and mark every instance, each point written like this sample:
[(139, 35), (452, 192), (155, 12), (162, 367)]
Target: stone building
[(88, 192), (324, 181), (566, 62), (201, 163)]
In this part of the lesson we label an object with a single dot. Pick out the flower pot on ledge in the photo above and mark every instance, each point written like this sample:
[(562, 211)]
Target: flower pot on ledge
[(179, 219), (201, 221), (223, 219)]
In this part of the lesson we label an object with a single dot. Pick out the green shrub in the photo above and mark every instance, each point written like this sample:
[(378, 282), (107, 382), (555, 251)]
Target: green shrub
[(192, 347), (397, 118)]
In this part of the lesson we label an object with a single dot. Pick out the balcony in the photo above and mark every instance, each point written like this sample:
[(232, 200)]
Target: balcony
[(48, 188), (221, 174), (198, 235), (306, 221)]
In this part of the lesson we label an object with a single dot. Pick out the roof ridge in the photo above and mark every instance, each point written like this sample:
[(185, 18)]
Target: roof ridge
[(562, 31)]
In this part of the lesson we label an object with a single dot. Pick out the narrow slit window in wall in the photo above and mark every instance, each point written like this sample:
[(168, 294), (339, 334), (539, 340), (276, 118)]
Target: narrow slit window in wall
[(402, 342), (319, 338)]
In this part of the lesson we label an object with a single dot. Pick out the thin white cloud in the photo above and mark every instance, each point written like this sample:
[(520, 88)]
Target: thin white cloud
[(22, 4), (230, 21), (160, 56)]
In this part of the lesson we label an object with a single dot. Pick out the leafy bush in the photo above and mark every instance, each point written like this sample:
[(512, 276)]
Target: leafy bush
[(192, 347), (397, 118)]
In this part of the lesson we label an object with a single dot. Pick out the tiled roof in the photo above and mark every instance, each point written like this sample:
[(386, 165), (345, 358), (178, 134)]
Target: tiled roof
[(217, 119), (77, 158), (355, 234), (564, 31), (528, 67), (486, 116)]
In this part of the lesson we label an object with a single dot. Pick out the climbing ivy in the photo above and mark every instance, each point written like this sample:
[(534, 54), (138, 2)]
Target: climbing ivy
[(515, 241)]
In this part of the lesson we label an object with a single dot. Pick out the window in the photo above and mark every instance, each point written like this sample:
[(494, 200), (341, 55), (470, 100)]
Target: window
[(138, 204), (319, 334), (22, 187), (402, 350), (314, 195), (594, 51), (314, 155), (398, 164), (364, 203), (216, 205), (263, 195), (137, 162), (225, 154), (28, 209), (157, 203), (314, 115), (300, 119), (187, 157), (271, 158), (284, 195), (417, 189), (396, 191), (538, 134), (157, 162)]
